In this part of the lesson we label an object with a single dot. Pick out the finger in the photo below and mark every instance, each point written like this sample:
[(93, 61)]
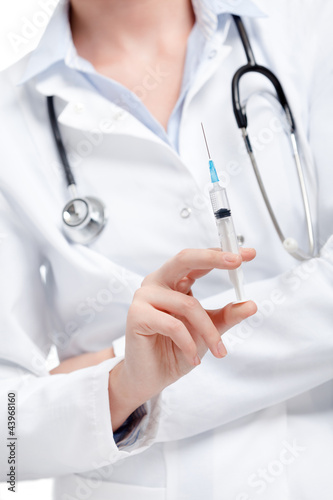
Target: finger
[(232, 314), (186, 283), (189, 260), (241, 249), (159, 322), (247, 254), (191, 310)]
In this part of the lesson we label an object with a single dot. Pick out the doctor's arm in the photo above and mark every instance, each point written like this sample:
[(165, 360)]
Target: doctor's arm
[(167, 332), (284, 350), (83, 361)]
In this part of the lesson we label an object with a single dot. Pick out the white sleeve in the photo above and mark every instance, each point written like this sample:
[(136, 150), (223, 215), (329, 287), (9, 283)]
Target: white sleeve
[(63, 422), (282, 351)]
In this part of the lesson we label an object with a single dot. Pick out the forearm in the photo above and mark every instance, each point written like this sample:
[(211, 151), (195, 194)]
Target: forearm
[(83, 361), (122, 401)]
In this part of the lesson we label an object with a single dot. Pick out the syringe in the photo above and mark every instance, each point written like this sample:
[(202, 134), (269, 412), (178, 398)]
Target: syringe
[(225, 225)]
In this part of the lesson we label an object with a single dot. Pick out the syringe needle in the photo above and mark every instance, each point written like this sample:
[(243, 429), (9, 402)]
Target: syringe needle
[(212, 169), (203, 130)]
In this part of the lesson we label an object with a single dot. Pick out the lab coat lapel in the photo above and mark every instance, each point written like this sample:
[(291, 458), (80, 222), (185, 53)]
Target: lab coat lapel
[(86, 110), (218, 53)]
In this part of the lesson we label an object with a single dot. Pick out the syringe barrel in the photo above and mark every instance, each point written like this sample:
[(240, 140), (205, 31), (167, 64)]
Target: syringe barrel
[(229, 243), (218, 197), (227, 234)]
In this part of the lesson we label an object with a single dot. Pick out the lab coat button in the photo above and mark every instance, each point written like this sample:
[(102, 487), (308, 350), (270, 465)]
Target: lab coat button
[(240, 239), (78, 107), (212, 54), (185, 212)]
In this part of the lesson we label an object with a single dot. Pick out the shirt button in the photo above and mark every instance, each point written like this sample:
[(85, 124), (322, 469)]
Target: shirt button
[(185, 212), (212, 54), (78, 107), (240, 239)]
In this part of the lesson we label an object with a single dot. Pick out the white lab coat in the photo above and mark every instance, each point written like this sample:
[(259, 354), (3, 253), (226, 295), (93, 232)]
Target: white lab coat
[(257, 424)]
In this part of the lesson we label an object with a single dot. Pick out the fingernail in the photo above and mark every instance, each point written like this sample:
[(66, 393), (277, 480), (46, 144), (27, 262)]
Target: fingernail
[(231, 257), (221, 349), (197, 361)]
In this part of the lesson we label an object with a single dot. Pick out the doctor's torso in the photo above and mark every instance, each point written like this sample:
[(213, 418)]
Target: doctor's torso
[(157, 202)]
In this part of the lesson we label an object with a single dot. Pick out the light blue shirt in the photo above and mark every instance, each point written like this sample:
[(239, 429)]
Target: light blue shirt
[(56, 46)]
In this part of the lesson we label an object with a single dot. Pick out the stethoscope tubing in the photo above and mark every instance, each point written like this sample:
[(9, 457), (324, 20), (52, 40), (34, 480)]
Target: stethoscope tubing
[(59, 142), (242, 122)]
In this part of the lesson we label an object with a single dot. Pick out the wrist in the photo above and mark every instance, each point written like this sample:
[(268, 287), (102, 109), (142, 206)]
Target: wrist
[(123, 398)]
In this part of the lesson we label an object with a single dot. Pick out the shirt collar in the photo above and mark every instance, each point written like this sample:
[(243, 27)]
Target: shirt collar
[(48, 52), (207, 12), (55, 45)]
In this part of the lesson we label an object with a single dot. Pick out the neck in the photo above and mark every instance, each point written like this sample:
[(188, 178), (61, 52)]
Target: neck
[(119, 25)]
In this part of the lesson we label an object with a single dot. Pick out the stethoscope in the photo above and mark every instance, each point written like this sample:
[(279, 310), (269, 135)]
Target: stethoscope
[(85, 217)]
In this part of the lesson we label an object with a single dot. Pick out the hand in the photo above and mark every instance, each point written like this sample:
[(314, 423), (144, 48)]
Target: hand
[(168, 331), (83, 361)]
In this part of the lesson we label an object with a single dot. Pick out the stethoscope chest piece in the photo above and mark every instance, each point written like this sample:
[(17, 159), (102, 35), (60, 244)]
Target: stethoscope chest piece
[(84, 219)]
